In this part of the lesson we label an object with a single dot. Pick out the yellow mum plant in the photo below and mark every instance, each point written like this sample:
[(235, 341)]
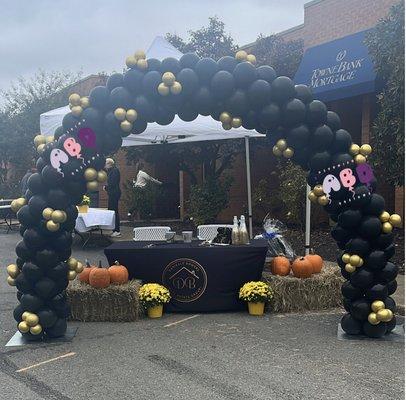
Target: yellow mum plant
[(256, 292), (85, 201), (153, 294)]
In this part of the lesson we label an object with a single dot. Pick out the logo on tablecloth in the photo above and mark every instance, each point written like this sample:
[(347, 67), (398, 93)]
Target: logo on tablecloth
[(185, 278)]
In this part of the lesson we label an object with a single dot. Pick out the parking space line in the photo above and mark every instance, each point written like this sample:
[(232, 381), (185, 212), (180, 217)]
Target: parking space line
[(46, 362), (181, 320)]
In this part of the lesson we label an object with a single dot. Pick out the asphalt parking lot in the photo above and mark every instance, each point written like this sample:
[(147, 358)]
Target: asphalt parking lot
[(206, 356)]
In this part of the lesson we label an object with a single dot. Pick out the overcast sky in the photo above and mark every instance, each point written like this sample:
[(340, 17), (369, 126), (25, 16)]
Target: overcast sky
[(95, 36)]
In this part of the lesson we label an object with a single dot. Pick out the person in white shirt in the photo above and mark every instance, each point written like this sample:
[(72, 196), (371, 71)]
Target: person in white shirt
[(143, 178)]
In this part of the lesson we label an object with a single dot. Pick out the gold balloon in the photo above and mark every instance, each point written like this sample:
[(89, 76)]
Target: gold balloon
[(384, 315), (387, 227), (163, 90), (251, 59), (168, 78), (16, 204), (47, 213), (58, 216), (142, 64), (40, 148), (76, 111), (281, 144), (355, 260), (92, 186), (360, 159), (346, 258), (354, 149), (72, 263), (384, 217), (25, 315), (126, 126), (32, 319), (39, 139), (318, 190), (225, 117), (377, 305), (79, 268), (241, 55), (288, 152), (49, 139), (36, 330), (84, 102), (312, 197), (276, 151), (23, 327), (131, 115), (52, 226), (72, 275), (90, 174), (120, 114), (322, 200), (361, 262), (11, 281), (176, 88), (101, 176), (236, 122), (365, 149), (349, 268), (226, 126), (372, 319), (74, 99), (395, 220), (139, 54), (131, 61), (13, 270)]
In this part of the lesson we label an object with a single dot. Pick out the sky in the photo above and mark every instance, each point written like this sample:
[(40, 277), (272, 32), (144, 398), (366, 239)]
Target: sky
[(96, 35)]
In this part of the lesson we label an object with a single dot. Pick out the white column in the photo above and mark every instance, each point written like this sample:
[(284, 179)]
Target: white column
[(307, 230), (248, 165)]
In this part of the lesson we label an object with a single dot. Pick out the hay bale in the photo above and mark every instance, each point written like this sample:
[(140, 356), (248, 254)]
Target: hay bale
[(319, 292), (116, 303)]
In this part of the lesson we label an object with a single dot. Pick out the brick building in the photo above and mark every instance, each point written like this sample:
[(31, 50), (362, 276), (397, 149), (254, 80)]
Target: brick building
[(324, 21)]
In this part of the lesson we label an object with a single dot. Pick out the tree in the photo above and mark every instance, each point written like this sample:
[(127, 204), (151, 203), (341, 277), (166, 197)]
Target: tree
[(19, 118), (386, 44)]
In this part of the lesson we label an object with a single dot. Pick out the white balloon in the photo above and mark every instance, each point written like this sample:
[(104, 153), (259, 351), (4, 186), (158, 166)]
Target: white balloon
[(330, 183), (57, 158)]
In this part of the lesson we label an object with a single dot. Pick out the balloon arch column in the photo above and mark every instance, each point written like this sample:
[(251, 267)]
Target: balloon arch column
[(234, 92)]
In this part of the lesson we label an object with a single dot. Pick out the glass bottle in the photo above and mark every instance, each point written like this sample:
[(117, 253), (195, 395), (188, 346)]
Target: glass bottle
[(244, 238), (235, 233)]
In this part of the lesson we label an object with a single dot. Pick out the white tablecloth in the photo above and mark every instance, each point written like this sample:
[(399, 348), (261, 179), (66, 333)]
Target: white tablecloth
[(95, 218)]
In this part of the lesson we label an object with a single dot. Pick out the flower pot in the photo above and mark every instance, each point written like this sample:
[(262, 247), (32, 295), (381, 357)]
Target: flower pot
[(156, 311), (83, 208), (256, 308)]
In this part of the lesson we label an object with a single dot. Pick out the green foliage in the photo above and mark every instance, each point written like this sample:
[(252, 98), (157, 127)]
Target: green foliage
[(142, 201), (283, 56), (265, 200), (386, 44), (208, 200), (211, 41), (19, 118)]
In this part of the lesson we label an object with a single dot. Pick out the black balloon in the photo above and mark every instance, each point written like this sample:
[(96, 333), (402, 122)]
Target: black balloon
[(267, 73), (342, 139), (227, 63), (133, 80), (350, 292), (374, 331), (237, 104), (360, 309), (303, 93), (294, 113), (154, 64), (120, 97), (205, 69), (245, 74), (114, 80), (377, 292), (322, 138), (362, 278), (222, 85), (316, 113), (189, 81), (370, 227), (320, 161), (170, 64), (334, 122), (99, 97), (150, 83), (376, 260), (350, 325), (270, 116), (189, 60), (349, 218)]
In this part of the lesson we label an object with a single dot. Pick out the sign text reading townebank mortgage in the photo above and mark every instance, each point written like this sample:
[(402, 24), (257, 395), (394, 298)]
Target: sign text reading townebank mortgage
[(341, 72)]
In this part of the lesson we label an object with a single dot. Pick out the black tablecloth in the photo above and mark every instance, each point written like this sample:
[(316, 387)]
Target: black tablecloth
[(200, 278)]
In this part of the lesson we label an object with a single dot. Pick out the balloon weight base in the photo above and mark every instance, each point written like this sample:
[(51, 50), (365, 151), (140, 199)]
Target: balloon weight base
[(397, 335), (19, 340)]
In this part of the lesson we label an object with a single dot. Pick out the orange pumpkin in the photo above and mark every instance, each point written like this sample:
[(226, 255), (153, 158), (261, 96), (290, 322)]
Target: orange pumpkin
[(99, 277), (316, 261), (280, 266), (84, 275), (302, 268), (118, 273)]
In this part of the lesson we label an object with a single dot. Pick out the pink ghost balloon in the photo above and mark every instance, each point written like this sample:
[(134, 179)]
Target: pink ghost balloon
[(57, 158), (72, 148), (87, 137), (347, 179), (365, 173)]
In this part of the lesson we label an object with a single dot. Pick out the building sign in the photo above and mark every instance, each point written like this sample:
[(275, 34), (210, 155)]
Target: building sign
[(338, 69), (185, 278)]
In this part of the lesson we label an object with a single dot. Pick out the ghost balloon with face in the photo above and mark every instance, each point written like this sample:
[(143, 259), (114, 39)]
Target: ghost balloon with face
[(330, 183), (57, 158), (348, 180), (365, 174), (72, 147)]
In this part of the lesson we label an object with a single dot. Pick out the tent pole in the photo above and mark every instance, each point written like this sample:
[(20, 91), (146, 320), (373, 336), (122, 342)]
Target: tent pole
[(248, 165), (307, 231)]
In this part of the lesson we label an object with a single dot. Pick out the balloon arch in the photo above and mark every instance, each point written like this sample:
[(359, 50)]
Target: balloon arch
[(235, 92)]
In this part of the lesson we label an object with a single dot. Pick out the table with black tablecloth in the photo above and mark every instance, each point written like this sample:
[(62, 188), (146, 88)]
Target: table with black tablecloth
[(200, 277)]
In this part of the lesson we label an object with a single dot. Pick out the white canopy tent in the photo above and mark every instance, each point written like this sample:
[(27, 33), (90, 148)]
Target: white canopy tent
[(201, 129)]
